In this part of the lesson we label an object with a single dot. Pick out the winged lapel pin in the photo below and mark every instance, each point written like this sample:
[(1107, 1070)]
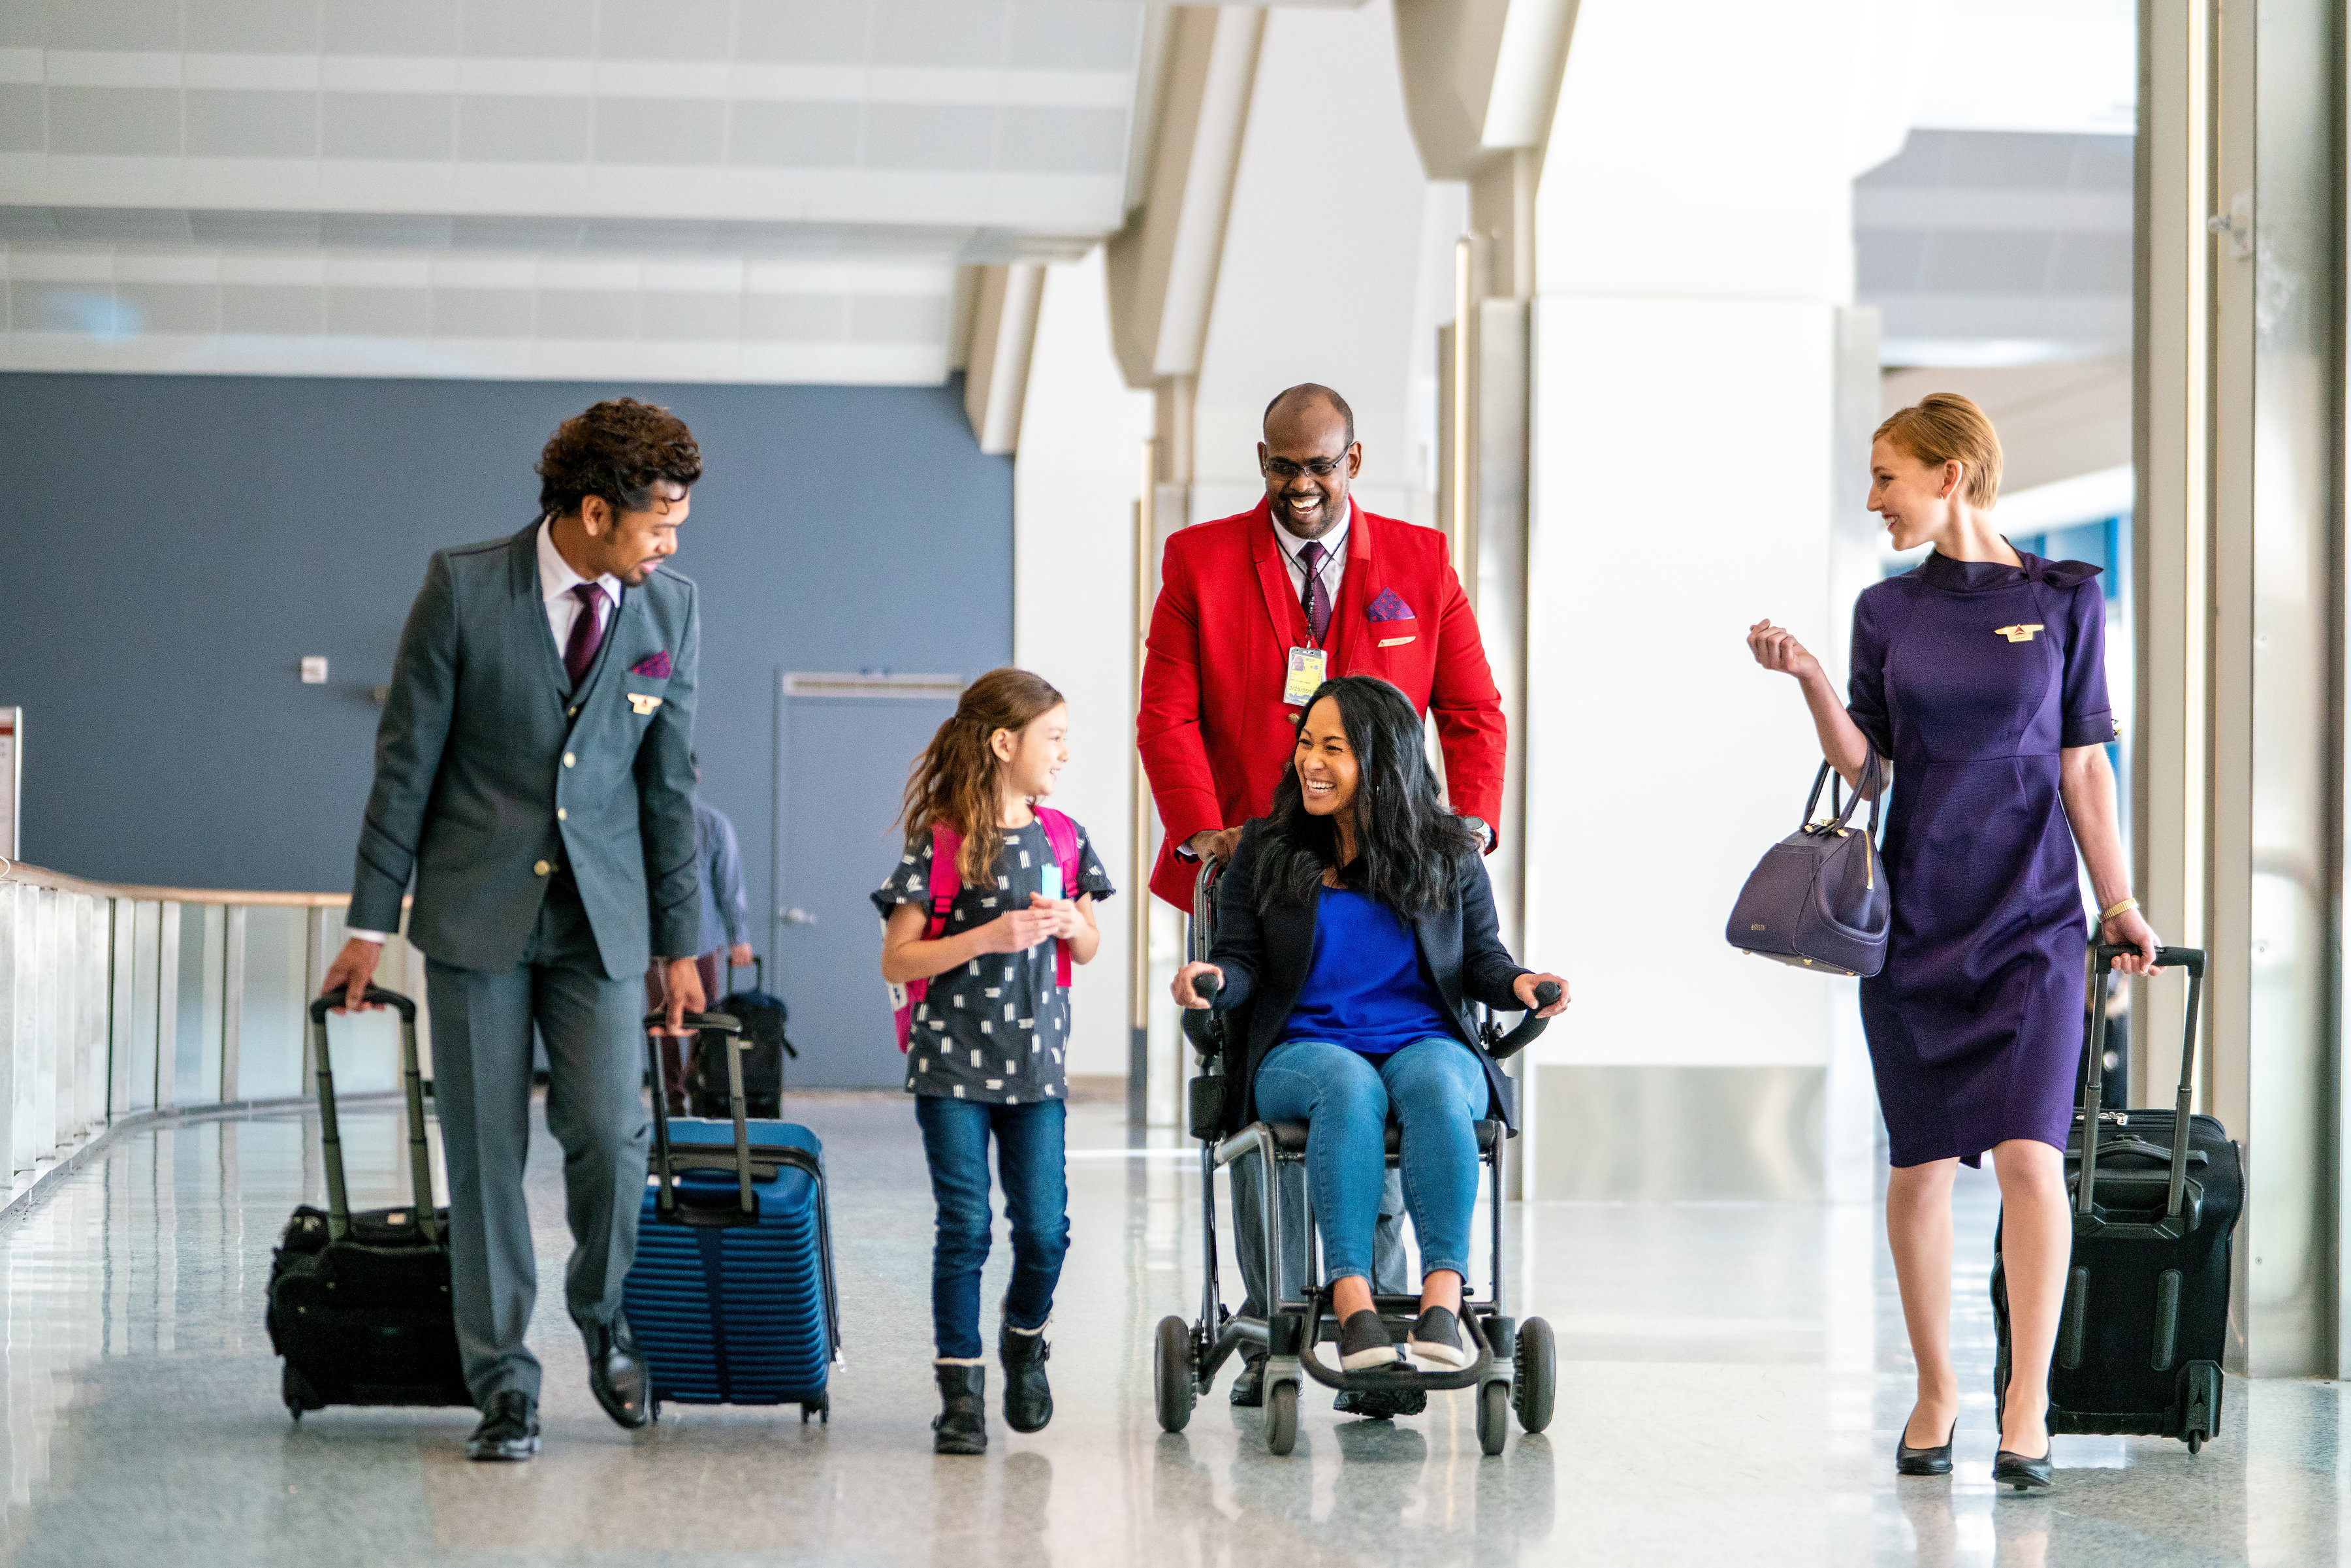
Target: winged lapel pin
[(2017, 634)]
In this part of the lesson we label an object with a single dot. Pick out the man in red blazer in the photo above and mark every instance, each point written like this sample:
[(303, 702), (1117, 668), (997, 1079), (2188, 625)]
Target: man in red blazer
[(1305, 580), (1234, 603)]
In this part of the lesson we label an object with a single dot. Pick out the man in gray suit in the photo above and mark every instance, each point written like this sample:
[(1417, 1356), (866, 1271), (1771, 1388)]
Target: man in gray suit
[(532, 770)]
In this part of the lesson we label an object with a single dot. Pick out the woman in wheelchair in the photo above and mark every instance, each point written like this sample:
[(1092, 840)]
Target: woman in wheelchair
[(1356, 924)]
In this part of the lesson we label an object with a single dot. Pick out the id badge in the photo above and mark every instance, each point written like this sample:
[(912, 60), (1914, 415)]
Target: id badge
[(1306, 667)]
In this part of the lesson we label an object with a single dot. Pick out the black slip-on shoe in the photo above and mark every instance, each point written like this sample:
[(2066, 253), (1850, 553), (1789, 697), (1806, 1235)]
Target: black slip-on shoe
[(961, 1427), (1437, 1340), (509, 1429), (1028, 1396), (1910, 1461), (1363, 1342), (2013, 1470), (1248, 1384), (1385, 1404), (617, 1374)]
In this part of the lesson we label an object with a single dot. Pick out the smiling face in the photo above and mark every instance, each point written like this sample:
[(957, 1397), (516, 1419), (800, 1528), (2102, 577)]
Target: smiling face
[(1327, 768), (1308, 461), (1917, 502), (1029, 759), (630, 545)]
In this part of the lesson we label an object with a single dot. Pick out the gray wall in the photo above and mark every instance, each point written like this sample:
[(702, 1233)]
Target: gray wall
[(176, 544)]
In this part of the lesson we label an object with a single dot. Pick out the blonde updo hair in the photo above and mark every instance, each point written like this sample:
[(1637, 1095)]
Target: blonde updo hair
[(1944, 427)]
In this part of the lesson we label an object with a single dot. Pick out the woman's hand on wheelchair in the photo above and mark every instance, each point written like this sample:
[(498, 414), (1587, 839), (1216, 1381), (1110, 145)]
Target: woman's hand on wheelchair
[(1185, 994), (1524, 986)]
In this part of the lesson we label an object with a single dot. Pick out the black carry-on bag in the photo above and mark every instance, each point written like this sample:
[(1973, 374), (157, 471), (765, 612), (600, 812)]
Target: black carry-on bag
[(761, 1052), (2146, 1317), (359, 1303)]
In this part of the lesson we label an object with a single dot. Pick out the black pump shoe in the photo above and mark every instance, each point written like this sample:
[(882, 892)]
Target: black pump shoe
[(509, 1429), (1910, 1461), (961, 1423), (2011, 1468), (617, 1374), (1028, 1396)]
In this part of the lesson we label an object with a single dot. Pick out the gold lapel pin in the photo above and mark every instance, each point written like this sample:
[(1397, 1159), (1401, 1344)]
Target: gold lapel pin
[(644, 703), (2016, 633)]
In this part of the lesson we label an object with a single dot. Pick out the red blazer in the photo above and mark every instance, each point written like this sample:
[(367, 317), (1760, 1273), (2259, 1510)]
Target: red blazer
[(1214, 731)]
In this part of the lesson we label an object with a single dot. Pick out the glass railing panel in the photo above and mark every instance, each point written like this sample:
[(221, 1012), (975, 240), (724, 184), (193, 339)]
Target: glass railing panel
[(194, 1078), (269, 1017)]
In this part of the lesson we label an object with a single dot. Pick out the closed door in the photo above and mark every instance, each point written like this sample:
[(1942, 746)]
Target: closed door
[(840, 767)]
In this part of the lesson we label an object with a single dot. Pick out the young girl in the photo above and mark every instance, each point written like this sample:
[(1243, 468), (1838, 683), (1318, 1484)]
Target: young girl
[(988, 1037)]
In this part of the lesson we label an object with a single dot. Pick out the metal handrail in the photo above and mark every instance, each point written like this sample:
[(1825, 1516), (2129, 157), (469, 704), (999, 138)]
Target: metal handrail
[(28, 875)]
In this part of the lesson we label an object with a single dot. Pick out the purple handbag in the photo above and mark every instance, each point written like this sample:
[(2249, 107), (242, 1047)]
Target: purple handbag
[(1818, 899)]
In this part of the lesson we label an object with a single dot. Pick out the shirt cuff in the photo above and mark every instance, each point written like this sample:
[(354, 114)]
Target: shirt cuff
[(375, 937), (2091, 729)]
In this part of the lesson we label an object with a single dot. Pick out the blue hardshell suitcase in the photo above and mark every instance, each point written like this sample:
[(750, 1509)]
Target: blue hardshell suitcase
[(731, 1297)]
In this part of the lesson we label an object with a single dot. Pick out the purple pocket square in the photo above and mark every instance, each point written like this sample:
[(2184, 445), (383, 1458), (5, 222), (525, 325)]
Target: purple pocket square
[(655, 668), (1388, 607)]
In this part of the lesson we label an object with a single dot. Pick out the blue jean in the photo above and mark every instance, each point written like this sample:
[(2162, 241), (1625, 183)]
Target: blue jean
[(1029, 1160), (1437, 1090)]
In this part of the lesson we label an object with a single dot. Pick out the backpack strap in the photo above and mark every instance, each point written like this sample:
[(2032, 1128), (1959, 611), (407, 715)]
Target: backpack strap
[(1062, 833), (946, 878)]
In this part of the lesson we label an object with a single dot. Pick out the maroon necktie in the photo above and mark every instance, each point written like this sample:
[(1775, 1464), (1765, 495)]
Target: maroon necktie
[(1317, 598), (587, 633)]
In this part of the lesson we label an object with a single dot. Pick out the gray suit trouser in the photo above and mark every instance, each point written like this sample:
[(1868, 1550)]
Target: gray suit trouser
[(1390, 1273), (482, 1027)]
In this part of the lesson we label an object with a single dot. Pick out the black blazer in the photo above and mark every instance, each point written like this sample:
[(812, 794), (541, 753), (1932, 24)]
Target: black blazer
[(1265, 959)]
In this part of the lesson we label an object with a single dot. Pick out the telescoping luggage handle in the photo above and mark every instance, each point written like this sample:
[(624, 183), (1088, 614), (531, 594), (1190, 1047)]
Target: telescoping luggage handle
[(2102, 964), (743, 1161), (420, 1164)]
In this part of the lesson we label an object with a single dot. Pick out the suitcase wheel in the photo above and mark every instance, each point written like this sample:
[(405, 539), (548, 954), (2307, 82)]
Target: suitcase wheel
[(2195, 1441), (297, 1392), (819, 1408)]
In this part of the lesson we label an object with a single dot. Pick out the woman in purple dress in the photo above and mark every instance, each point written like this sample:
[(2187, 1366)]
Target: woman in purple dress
[(1979, 678)]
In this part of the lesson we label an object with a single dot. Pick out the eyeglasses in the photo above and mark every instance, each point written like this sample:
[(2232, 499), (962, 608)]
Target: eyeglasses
[(1282, 468)]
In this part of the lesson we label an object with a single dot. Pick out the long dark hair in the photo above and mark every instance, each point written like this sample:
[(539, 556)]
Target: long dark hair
[(1408, 845)]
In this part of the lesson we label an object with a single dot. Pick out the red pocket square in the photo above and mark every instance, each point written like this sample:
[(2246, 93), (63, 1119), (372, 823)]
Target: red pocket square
[(655, 668)]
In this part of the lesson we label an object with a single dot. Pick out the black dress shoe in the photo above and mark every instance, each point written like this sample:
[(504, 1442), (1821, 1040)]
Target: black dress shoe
[(509, 1429), (617, 1374), (1028, 1396), (961, 1427), (2011, 1468), (1910, 1461), (1248, 1384)]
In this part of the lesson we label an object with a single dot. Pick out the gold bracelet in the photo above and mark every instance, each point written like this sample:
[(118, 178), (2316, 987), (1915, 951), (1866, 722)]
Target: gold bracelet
[(2121, 906)]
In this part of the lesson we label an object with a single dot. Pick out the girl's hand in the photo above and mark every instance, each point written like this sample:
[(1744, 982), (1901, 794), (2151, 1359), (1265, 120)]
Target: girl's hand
[(2130, 929), (1776, 648), (1186, 997), (1014, 931), (1525, 986), (1061, 912)]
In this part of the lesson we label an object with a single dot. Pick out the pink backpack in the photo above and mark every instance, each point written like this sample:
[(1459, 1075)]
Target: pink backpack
[(946, 882)]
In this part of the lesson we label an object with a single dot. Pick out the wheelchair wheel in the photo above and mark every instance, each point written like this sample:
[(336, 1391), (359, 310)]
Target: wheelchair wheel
[(1538, 1375), (1493, 1416), (1171, 1363), (1282, 1418)]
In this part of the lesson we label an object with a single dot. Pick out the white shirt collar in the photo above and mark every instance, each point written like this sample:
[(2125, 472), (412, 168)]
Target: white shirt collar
[(556, 577), (1334, 543)]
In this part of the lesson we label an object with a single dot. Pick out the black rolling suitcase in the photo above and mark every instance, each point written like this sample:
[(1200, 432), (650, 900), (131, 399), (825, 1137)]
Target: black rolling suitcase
[(359, 1303), (762, 1017), (2140, 1339)]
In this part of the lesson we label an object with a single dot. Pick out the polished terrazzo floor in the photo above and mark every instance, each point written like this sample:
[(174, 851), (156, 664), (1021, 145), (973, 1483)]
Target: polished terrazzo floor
[(1732, 1381)]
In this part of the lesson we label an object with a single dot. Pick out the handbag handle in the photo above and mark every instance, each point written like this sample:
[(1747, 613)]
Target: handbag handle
[(1871, 788)]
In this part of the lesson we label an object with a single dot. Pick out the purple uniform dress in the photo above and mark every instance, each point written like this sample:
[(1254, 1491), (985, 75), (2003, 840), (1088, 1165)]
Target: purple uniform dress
[(1973, 677)]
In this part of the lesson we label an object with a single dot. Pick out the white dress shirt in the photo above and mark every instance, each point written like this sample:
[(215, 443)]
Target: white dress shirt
[(555, 581)]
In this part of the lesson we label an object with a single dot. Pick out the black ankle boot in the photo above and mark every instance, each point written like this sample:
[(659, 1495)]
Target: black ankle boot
[(961, 1423), (1028, 1398)]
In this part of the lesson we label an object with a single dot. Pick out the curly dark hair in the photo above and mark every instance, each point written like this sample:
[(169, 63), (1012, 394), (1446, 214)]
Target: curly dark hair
[(619, 450)]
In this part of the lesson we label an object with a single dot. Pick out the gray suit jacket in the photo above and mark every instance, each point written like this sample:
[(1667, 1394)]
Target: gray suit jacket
[(482, 745)]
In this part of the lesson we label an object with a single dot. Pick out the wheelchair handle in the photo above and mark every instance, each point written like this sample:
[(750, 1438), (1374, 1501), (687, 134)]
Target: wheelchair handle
[(1206, 987), (1529, 1026)]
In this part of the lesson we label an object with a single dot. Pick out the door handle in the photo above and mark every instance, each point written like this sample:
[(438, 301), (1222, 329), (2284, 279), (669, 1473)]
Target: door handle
[(797, 916)]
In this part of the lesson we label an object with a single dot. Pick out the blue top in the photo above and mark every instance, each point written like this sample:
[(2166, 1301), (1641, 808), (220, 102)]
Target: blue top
[(1365, 989), (726, 920)]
